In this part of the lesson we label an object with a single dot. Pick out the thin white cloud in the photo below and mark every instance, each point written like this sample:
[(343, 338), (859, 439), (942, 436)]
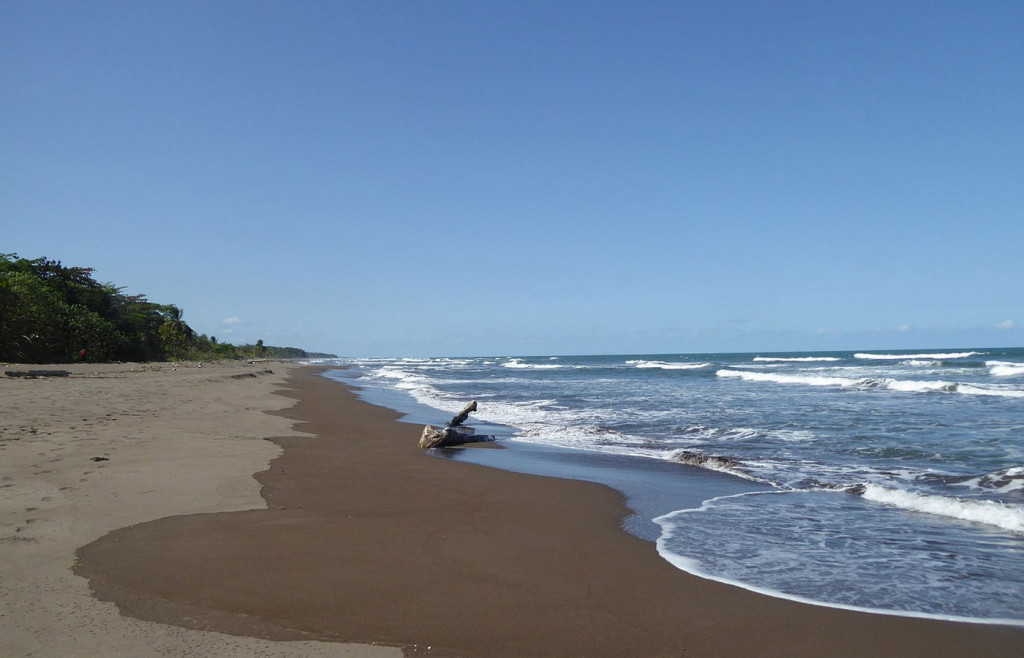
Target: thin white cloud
[(232, 320), (1005, 324)]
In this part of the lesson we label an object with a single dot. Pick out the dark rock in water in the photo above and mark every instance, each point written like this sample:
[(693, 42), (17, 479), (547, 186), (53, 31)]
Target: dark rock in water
[(433, 437), (694, 458), (1002, 479)]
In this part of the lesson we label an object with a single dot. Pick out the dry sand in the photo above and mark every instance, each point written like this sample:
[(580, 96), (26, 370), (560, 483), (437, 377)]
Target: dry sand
[(367, 539), (168, 440)]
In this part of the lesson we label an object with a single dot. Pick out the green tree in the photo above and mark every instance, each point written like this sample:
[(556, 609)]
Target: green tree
[(178, 338), (50, 313), (139, 321), (34, 317)]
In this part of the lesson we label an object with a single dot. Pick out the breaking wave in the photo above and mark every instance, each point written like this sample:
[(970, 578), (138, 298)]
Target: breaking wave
[(795, 359), (979, 511), (897, 357), (664, 365), (904, 385), (517, 363), (1005, 368)]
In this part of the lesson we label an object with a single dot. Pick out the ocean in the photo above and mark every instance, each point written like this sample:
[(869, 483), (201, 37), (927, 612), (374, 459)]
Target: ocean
[(878, 480)]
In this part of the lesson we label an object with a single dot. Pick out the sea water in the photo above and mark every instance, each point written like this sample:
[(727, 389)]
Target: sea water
[(884, 481)]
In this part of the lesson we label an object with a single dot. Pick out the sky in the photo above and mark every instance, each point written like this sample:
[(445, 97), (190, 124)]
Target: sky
[(479, 178)]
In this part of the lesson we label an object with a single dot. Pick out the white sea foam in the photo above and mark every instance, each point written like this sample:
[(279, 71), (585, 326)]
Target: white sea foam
[(664, 365), (545, 422), (418, 386), (979, 511), (1005, 368), (540, 421), (392, 372), (915, 386), (694, 567), (517, 363), (795, 359), (733, 434), (775, 570), (720, 434), (780, 378), (1001, 392), (883, 357), (904, 385)]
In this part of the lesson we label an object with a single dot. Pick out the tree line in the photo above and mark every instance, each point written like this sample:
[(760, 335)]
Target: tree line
[(50, 313)]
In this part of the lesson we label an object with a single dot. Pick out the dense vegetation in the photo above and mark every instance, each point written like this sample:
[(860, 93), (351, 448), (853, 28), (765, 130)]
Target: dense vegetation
[(50, 313)]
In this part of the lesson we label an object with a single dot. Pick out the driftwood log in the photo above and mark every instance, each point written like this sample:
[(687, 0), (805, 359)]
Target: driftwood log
[(37, 373), (451, 434)]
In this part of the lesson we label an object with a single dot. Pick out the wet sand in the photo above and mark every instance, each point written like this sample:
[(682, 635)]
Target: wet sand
[(366, 539)]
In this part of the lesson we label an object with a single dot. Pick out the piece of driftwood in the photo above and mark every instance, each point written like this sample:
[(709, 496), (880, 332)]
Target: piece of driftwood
[(37, 373), (463, 415), (451, 434)]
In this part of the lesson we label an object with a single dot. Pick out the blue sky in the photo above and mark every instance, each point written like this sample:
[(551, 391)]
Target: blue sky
[(489, 178)]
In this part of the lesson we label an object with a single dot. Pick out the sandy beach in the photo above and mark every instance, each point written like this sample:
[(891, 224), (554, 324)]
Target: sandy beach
[(347, 534), (115, 445)]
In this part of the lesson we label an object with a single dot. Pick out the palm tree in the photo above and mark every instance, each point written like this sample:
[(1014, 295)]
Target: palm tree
[(175, 332)]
